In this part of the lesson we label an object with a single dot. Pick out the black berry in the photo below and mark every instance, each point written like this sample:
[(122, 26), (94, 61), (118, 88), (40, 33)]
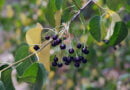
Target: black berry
[(36, 47), (81, 57), (64, 58), (54, 64), (84, 60), (47, 37), (71, 50), (77, 59), (76, 64), (58, 41), (79, 45), (55, 59), (62, 46), (59, 65), (85, 51), (54, 37)]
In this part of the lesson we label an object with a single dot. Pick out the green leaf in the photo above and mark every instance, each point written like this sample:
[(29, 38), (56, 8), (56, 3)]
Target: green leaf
[(2, 2), (58, 4), (6, 79), (21, 53), (50, 11), (2, 86), (41, 77), (94, 28), (119, 34), (30, 74), (115, 4)]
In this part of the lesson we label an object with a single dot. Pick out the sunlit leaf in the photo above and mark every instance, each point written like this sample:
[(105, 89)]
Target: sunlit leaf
[(119, 34), (33, 37), (44, 56)]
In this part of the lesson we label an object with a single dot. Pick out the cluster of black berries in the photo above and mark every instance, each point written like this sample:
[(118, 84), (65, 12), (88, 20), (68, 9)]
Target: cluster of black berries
[(56, 41), (67, 60)]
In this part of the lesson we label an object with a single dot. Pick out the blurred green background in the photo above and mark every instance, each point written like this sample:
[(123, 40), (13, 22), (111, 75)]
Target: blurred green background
[(107, 68)]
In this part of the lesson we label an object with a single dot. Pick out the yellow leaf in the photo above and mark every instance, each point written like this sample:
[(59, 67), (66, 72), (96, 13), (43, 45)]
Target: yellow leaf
[(33, 37), (44, 56)]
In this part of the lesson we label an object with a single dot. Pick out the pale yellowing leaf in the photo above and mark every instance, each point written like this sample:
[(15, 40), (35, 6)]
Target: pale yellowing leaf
[(33, 37), (44, 56)]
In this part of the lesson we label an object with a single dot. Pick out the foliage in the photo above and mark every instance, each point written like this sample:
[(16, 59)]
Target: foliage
[(101, 25)]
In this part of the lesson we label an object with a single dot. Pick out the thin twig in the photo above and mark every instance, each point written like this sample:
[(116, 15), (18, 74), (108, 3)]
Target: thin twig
[(43, 46)]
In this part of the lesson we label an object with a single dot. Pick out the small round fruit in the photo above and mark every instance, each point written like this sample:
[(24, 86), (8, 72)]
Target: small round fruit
[(79, 45), (59, 65), (62, 46), (64, 58), (84, 60), (36, 47), (54, 37), (85, 51), (58, 41), (71, 50), (54, 64), (55, 59), (47, 37)]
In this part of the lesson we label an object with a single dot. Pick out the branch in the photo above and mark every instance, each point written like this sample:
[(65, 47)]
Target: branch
[(21, 60), (81, 9)]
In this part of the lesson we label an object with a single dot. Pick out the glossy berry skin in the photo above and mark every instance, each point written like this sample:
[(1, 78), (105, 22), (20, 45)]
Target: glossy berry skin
[(54, 64), (55, 59), (81, 57), (36, 47), (79, 45), (64, 58), (62, 46), (54, 37), (77, 65), (84, 60), (59, 65), (69, 59), (47, 37), (71, 50), (85, 51), (58, 41), (77, 59)]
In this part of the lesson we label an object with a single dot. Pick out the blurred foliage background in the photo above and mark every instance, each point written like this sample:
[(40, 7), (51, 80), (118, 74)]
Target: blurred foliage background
[(107, 68)]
